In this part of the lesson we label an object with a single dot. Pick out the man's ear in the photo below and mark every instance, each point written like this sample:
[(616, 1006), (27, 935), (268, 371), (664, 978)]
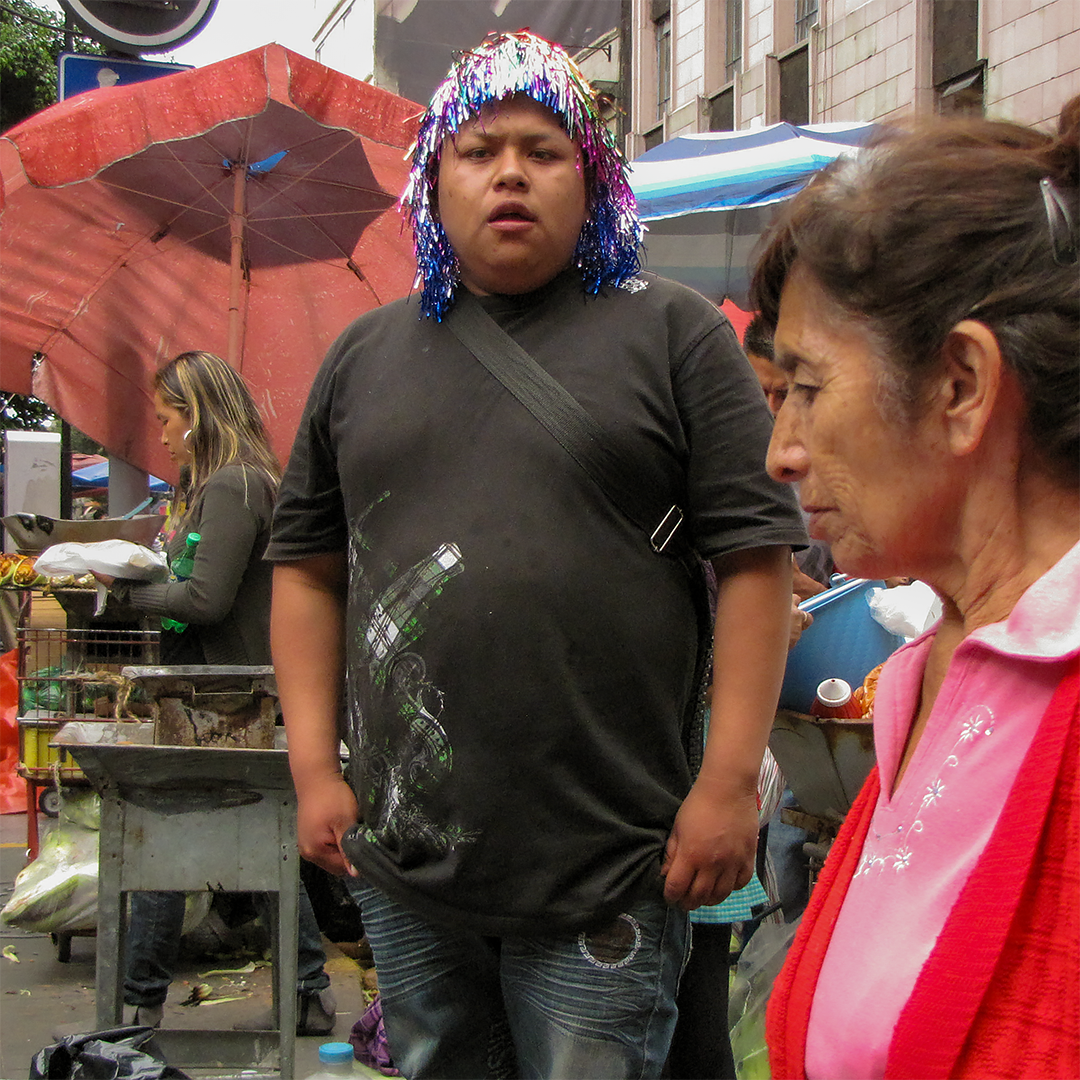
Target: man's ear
[(973, 379)]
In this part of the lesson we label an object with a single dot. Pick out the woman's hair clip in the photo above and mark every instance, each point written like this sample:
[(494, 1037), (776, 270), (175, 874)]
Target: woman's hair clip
[(1062, 226)]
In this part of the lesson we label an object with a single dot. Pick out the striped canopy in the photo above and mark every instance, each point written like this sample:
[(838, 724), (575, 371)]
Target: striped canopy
[(705, 199)]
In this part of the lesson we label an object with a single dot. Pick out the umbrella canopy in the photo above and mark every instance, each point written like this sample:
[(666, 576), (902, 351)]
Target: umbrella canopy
[(707, 198), (245, 208), (96, 476)]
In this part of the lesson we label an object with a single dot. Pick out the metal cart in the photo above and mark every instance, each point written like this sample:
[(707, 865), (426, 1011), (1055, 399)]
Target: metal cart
[(824, 762), (239, 803), (67, 674)]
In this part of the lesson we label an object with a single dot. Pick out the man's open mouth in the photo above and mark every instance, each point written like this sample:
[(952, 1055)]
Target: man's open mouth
[(511, 213)]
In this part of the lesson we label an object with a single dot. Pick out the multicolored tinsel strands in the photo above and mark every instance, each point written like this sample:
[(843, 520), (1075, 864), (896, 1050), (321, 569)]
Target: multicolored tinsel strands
[(607, 252)]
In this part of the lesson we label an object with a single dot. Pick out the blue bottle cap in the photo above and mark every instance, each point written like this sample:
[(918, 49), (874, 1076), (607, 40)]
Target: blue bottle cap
[(334, 1053)]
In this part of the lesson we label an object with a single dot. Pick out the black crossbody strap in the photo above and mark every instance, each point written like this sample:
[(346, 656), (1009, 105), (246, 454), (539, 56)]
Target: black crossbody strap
[(561, 413)]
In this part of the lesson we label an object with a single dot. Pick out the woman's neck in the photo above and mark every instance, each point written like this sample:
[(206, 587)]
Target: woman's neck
[(1004, 547)]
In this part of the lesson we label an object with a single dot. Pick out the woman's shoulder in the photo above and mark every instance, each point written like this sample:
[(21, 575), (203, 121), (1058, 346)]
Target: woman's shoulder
[(242, 481)]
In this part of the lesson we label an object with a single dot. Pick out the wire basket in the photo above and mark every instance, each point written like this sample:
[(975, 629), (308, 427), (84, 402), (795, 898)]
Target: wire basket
[(68, 675)]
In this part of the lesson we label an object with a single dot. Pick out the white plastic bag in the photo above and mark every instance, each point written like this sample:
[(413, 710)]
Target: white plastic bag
[(907, 610), (58, 891), (116, 558), (751, 986)]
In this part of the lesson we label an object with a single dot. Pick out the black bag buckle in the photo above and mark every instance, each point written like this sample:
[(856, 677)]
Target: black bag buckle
[(667, 528)]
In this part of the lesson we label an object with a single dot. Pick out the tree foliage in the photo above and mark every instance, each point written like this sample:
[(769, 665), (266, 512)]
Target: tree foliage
[(31, 39), (21, 413)]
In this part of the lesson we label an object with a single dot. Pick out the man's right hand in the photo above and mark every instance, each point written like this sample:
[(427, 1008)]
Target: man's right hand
[(325, 812)]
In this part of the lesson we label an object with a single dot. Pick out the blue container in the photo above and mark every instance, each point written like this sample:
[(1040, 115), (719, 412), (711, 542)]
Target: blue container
[(843, 642)]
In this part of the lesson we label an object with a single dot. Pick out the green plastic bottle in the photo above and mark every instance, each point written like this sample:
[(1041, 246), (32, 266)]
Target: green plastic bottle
[(180, 570)]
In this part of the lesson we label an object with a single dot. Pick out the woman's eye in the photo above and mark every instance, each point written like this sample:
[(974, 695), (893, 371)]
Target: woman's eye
[(806, 391)]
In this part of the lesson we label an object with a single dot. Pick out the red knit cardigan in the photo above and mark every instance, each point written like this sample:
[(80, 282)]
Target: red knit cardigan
[(999, 995)]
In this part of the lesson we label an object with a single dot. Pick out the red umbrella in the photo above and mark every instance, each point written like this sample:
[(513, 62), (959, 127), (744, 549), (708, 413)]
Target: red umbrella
[(246, 208)]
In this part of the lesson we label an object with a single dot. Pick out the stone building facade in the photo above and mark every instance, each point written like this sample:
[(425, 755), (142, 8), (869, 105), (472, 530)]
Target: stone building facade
[(713, 65)]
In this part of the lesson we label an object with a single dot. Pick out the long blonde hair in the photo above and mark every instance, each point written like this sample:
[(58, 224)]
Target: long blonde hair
[(226, 427)]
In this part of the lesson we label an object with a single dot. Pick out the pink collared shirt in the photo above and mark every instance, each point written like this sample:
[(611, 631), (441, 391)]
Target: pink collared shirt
[(926, 836)]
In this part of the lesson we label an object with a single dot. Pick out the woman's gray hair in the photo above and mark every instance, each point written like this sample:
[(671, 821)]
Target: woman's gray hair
[(937, 221)]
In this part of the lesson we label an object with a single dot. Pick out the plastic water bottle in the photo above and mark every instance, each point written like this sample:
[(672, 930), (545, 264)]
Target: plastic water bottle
[(181, 569), (335, 1059), (835, 699)]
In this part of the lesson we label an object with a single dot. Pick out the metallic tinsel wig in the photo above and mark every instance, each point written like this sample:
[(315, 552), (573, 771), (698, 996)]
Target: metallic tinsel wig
[(504, 65)]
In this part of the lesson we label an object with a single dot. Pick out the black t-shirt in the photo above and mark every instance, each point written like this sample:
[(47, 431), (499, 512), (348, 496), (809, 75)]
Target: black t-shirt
[(519, 659)]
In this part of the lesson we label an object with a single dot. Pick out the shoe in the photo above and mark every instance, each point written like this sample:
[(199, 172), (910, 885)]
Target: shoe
[(316, 1014), (134, 1016), (143, 1015)]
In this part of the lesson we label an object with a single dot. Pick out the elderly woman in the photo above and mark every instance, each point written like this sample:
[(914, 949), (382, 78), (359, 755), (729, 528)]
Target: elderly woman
[(925, 299)]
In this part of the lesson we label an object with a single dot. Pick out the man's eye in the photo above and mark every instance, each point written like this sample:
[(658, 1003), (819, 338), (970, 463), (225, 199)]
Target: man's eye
[(805, 390)]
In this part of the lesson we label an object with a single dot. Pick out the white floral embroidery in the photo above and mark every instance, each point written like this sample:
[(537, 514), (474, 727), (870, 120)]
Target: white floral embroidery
[(933, 793), (895, 850)]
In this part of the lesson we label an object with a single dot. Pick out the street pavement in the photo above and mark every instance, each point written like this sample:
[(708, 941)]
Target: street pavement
[(38, 993)]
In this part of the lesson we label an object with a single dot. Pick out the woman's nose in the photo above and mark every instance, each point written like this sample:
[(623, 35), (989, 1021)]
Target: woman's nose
[(787, 460)]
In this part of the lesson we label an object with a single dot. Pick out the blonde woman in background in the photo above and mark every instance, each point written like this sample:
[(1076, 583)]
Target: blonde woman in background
[(211, 428)]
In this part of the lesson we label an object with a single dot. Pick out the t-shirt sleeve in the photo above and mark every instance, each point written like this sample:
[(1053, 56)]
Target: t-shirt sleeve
[(309, 518), (733, 503)]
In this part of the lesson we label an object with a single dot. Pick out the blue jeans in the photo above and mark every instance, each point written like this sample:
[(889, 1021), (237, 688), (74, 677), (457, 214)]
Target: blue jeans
[(153, 945), (599, 1004), (791, 863)]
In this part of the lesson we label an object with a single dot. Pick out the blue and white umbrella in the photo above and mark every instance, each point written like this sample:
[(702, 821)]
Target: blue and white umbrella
[(705, 199), (97, 476)]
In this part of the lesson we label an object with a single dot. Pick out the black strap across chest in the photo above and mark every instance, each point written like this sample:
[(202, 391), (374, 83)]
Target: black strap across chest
[(564, 417)]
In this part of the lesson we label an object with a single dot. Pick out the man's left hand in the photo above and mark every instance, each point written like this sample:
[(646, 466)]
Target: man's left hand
[(712, 847)]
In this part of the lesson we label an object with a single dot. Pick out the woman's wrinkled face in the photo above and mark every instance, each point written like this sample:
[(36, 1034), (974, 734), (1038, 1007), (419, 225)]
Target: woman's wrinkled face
[(874, 487), (174, 429)]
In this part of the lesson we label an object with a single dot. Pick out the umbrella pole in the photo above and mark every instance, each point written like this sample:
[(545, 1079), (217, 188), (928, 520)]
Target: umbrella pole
[(236, 264)]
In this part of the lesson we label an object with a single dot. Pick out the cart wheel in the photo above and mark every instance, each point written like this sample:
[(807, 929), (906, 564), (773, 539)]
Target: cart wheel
[(49, 802), (63, 947)]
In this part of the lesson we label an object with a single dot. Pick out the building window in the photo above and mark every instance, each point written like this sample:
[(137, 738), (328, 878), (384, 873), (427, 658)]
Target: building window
[(722, 110), (795, 86), (806, 13), (733, 41), (663, 65), (654, 137), (962, 96), (955, 38)]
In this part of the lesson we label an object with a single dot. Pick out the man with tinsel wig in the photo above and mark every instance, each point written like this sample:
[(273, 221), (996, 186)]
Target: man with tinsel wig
[(510, 646)]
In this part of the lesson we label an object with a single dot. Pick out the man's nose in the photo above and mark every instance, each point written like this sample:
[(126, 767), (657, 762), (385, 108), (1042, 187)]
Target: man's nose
[(787, 460), (511, 170)]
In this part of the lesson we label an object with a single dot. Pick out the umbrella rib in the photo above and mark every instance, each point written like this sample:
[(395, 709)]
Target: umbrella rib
[(212, 189), (252, 224), (299, 214), (306, 175), (253, 227)]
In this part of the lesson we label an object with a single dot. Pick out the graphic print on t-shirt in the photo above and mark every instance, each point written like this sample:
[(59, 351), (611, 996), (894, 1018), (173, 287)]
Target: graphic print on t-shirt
[(401, 747)]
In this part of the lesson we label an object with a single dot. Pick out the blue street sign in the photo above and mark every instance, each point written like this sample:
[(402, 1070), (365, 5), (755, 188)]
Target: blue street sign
[(79, 72)]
